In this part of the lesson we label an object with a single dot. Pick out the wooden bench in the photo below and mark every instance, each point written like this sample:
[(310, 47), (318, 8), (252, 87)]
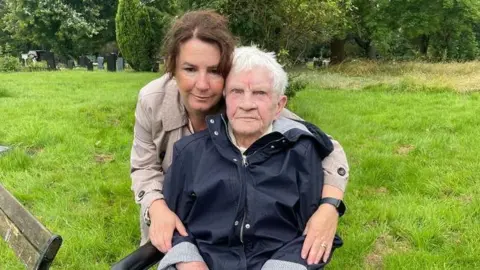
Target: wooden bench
[(32, 243)]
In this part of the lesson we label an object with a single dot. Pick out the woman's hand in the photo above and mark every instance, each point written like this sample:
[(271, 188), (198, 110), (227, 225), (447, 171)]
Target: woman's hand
[(320, 231), (192, 266), (162, 225)]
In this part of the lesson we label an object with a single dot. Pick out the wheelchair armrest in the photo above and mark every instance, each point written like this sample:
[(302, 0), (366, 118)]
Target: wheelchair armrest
[(142, 258), (337, 241)]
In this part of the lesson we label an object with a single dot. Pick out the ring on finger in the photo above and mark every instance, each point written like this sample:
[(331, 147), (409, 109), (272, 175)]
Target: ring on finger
[(324, 245)]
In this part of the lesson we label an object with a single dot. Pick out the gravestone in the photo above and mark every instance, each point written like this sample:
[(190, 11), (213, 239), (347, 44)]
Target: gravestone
[(50, 58), (120, 64), (111, 62), (100, 61), (3, 149), (81, 61), (70, 64), (89, 64)]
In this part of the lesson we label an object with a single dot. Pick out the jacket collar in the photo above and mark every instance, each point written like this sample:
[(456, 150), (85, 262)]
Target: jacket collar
[(286, 132), (174, 115)]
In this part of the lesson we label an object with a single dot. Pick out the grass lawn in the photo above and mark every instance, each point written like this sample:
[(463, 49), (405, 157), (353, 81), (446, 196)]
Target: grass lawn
[(413, 198)]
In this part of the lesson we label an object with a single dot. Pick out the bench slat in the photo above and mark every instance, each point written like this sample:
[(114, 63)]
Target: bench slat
[(33, 244), (21, 246), (33, 230)]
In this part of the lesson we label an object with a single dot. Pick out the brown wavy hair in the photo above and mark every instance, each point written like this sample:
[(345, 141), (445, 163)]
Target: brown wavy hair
[(205, 25)]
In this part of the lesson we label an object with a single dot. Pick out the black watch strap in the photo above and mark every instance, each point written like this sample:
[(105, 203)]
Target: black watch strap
[(339, 205)]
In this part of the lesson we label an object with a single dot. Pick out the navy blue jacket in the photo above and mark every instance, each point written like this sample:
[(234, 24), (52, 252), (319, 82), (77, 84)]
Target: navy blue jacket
[(241, 211)]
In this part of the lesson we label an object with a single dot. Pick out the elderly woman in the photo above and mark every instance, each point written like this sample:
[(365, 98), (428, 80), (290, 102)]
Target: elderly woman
[(199, 48), (246, 186)]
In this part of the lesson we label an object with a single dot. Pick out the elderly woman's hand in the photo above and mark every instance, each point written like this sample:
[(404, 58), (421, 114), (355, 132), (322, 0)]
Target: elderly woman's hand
[(320, 231), (163, 223)]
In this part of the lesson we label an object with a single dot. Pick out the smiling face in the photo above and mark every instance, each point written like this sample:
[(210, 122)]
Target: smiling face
[(197, 77), (252, 104)]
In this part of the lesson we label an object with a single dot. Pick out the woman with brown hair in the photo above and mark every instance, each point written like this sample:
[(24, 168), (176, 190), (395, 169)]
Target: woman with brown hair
[(199, 49)]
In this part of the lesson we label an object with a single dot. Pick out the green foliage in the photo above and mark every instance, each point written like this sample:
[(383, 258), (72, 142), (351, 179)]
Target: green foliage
[(295, 85), (9, 63), (403, 29), (139, 32), (293, 25), (58, 25)]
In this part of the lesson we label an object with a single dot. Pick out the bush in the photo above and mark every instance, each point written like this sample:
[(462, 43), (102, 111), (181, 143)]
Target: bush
[(135, 35), (295, 85), (9, 63), (35, 66)]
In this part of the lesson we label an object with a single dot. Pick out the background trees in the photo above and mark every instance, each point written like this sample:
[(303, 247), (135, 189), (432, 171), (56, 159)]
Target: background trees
[(436, 30)]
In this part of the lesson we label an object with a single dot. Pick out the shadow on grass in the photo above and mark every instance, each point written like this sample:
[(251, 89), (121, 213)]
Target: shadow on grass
[(4, 93)]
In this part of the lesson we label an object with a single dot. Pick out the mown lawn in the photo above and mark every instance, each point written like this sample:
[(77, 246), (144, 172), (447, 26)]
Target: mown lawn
[(413, 198)]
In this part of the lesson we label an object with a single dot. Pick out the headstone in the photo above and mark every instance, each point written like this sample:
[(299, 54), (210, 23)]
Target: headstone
[(100, 62), (156, 66), (111, 62), (24, 59), (120, 64), (50, 58), (89, 64), (81, 61), (3, 149), (70, 64)]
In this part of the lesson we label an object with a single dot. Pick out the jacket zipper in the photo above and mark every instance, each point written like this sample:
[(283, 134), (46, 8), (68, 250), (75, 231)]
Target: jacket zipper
[(245, 164)]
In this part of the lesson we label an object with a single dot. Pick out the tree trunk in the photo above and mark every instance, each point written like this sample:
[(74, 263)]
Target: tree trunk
[(424, 40), (337, 47)]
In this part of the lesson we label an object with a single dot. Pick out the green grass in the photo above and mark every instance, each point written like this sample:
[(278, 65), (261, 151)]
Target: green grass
[(414, 193), (413, 198)]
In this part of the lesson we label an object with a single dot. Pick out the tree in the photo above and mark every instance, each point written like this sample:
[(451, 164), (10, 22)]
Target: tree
[(136, 35), (57, 25)]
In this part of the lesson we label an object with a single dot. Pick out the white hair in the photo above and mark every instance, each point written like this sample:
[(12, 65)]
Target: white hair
[(247, 58)]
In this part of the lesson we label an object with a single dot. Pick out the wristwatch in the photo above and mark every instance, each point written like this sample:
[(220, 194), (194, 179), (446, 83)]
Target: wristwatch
[(338, 204)]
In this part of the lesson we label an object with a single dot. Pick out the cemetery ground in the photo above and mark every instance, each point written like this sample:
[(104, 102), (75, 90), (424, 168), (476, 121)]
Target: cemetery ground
[(411, 132)]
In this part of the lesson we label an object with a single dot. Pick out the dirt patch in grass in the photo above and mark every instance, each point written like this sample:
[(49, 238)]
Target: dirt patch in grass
[(466, 199), (104, 158), (384, 245), (405, 149), (33, 150)]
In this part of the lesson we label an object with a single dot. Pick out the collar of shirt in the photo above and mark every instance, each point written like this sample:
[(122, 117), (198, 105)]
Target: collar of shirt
[(190, 126), (234, 141)]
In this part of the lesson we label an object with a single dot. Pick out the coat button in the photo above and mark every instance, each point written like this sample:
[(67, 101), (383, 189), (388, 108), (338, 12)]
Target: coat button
[(341, 171), (216, 133), (272, 146), (247, 226), (236, 223), (212, 121), (141, 194)]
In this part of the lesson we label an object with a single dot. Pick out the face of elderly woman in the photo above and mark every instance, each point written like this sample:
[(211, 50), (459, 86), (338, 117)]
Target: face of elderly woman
[(252, 104), (200, 85)]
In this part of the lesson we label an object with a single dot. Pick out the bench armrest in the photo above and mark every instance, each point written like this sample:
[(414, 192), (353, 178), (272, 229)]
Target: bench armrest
[(142, 258)]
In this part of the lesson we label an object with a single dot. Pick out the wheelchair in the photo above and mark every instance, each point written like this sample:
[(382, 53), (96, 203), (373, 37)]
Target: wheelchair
[(148, 255)]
